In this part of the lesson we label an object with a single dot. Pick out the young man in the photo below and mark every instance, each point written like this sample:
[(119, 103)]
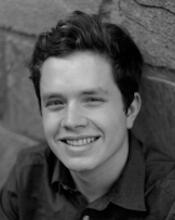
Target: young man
[(86, 75)]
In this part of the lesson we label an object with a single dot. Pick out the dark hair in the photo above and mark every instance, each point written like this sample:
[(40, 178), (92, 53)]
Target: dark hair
[(82, 32)]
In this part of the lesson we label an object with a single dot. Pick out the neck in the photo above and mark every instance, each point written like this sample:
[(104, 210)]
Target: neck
[(93, 184)]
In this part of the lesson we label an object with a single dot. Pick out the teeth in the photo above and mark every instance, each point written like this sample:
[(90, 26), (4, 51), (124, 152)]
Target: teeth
[(79, 142)]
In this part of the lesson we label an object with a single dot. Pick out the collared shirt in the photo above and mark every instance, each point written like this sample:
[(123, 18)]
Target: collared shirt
[(41, 188)]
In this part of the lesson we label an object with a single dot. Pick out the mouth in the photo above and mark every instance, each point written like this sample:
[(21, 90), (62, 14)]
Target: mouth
[(79, 141)]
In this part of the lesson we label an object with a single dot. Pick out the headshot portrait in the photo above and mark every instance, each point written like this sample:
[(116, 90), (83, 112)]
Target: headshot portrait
[(101, 155)]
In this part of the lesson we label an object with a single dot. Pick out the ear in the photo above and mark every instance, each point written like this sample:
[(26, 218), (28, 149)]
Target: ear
[(133, 110)]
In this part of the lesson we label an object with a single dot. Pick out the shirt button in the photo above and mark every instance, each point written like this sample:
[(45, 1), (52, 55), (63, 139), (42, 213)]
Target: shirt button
[(86, 217)]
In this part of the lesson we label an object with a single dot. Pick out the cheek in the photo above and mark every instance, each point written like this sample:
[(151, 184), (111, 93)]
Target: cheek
[(50, 124), (112, 125), (115, 126), (111, 118)]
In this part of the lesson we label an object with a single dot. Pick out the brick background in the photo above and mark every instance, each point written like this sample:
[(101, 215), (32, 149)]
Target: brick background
[(34, 16), (150, 22), (22, 114), (2, 75), (156, 122)]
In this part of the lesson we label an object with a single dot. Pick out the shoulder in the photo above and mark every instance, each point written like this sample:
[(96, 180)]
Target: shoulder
[(32, 164), (160, 195), (32, 155), (28, 179), (36, 155)]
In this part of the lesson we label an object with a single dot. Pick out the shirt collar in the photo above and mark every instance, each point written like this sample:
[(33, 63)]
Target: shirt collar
[(62, 177), (127, 192)]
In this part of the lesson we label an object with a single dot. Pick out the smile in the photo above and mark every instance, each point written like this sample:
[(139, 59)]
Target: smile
[(79, 141)]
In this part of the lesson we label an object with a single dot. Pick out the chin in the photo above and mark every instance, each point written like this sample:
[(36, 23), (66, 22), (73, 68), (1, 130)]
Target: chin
[(79, 165)]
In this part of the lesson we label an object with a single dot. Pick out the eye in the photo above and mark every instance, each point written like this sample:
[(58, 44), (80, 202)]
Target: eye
[(94, 101), (54, 104)]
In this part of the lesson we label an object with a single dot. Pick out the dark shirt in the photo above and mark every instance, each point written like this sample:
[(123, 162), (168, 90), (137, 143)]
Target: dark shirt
[(41, 188)]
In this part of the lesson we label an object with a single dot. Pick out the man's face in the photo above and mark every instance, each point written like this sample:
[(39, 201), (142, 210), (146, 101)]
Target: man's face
[(83, 113)]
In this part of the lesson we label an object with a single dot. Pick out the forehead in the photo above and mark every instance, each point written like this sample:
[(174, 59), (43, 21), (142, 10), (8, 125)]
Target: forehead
[(81, 70)]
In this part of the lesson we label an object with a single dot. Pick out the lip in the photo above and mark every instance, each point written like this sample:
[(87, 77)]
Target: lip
[(79, 141)]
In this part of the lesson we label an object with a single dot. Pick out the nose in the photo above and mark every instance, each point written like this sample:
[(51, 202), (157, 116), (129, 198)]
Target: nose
[(74, 117)]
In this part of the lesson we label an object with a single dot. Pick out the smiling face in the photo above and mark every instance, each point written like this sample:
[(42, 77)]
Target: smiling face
[(83, 113)]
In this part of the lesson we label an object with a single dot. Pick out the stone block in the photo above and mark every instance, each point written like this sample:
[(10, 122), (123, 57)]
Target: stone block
[(34, 16), (11, 144), (156, 123), (151, 23), (22, 114), (2, 75)]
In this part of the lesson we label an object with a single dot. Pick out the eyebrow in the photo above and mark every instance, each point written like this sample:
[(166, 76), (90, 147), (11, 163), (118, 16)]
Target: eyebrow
[(95, 91), (53, 95)]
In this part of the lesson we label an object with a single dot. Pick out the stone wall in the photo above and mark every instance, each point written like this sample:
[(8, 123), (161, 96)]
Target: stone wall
[(150, 22)]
